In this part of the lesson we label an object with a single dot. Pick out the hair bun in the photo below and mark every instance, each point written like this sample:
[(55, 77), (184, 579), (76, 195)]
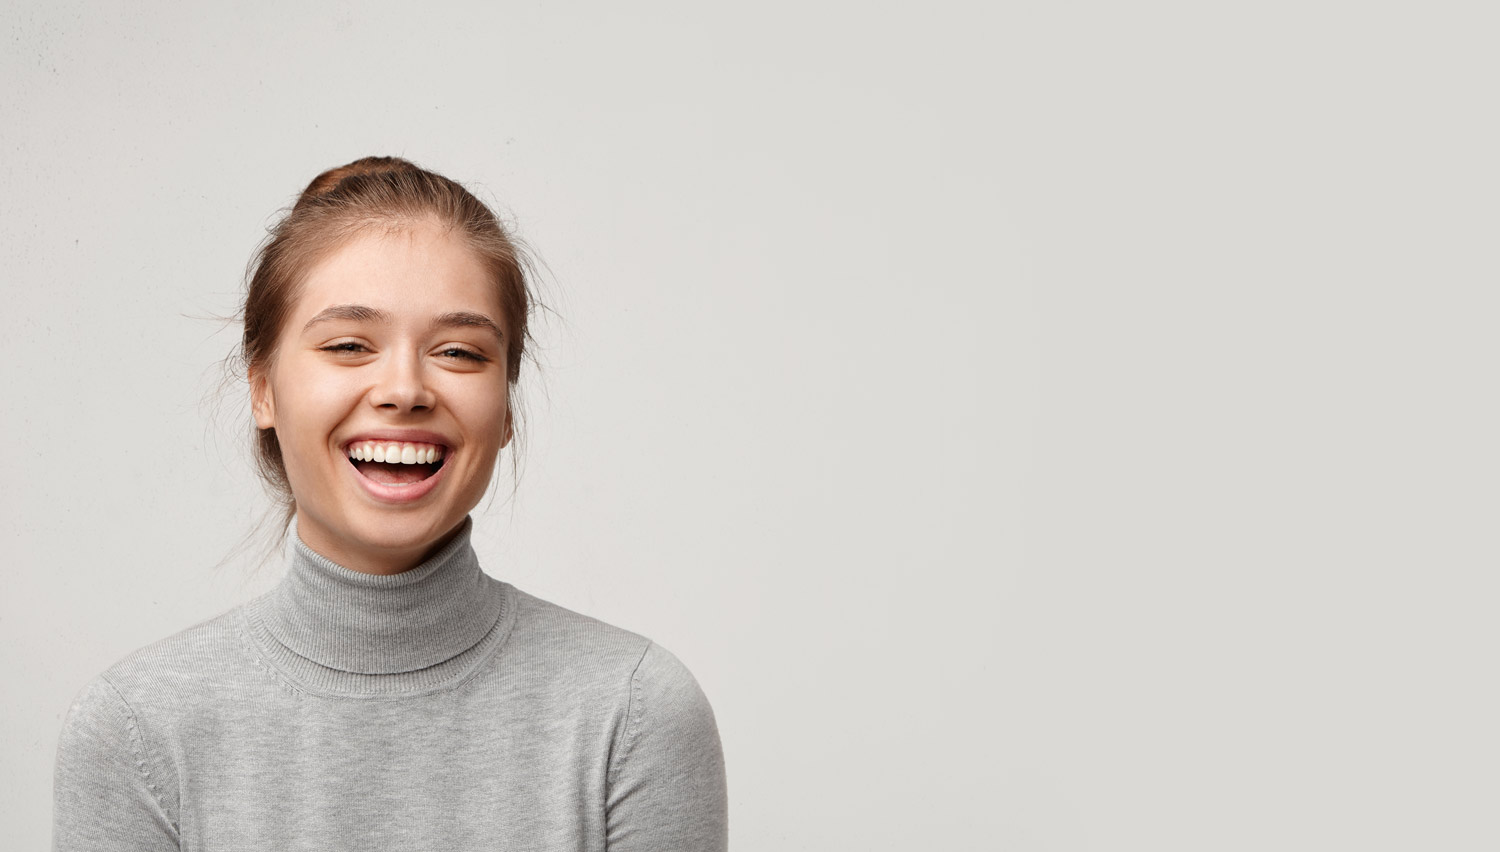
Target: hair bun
[(327, 182)]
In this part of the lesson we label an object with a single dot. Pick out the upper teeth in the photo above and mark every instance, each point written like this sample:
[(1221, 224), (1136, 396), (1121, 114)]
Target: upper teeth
[(393, 453)]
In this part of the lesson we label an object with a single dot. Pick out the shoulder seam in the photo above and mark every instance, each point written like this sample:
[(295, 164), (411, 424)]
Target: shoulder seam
[(142, 757), (634, 712)]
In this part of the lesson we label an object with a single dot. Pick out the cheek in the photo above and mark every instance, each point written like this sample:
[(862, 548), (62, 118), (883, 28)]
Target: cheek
[(308, 407), (484, 414)]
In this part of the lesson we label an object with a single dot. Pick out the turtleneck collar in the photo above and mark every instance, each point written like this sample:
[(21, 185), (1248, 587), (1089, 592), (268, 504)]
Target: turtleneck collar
[(346, 629)]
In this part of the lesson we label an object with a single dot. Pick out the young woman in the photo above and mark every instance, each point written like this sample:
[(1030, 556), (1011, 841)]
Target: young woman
[(388, 694)]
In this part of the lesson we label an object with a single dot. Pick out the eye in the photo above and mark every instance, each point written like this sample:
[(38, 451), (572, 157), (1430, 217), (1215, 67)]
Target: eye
[(346, 346), (463, 354)]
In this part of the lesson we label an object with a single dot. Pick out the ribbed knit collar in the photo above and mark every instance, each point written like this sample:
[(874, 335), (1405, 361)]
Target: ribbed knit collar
[(370, 625)]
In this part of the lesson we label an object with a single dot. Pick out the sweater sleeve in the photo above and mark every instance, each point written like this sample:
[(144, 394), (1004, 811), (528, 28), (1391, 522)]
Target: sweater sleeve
[(105, 793), (667, 790)]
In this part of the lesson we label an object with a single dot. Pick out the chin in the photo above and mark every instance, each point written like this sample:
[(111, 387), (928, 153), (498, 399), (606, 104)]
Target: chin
[(402, 531)]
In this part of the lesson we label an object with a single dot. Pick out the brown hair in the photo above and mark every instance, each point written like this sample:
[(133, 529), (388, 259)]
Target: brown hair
[(339, 204)]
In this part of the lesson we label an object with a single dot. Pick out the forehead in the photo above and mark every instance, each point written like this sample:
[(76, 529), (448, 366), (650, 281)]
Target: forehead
[(414, 272)]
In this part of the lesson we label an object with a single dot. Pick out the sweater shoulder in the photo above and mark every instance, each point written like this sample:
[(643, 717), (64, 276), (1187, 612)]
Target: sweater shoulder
[(623, 667), (570, 641), (567, 636), (184, 662), (115, 753)]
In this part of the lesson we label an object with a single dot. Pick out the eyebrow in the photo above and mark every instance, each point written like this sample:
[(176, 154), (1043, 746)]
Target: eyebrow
[(362, 313)]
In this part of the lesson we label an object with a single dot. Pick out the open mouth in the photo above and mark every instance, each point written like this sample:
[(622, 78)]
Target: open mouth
[(396, 463)]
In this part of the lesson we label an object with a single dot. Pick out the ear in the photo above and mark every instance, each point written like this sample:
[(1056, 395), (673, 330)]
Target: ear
[(508, 432), (262, 401)]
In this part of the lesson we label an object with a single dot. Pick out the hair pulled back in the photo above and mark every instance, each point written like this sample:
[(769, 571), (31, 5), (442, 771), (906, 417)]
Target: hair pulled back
[(374, 192)]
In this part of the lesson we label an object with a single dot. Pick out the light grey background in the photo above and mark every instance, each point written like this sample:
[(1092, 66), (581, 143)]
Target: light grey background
[(1045, 426)]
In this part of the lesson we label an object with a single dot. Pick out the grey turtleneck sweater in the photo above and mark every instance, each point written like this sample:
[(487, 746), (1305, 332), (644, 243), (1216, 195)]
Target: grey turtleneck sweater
[(434, 709)]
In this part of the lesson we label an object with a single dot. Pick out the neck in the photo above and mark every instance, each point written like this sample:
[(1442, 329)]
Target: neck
[(383, 561), (372, 624)]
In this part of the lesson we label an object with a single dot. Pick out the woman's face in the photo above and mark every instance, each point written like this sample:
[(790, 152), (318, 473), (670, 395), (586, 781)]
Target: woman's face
[(393, 350)]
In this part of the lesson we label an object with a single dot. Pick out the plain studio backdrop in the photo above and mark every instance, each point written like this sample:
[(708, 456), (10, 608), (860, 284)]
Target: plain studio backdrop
[(1040, 426)]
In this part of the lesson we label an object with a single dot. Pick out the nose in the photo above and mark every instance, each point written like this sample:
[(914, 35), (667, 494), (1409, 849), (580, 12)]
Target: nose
[(402, 384)]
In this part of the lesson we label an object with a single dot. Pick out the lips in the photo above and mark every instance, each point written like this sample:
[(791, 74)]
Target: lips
[(397, 466)]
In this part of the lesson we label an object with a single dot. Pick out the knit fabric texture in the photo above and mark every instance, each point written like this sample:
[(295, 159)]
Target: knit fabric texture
[(436, 709)]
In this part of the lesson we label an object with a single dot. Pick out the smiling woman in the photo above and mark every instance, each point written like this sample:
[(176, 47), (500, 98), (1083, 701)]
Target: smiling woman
[(388, 693), (381, 332)]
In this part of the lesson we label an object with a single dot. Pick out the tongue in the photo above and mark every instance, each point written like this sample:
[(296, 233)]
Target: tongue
[(395, 474)]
